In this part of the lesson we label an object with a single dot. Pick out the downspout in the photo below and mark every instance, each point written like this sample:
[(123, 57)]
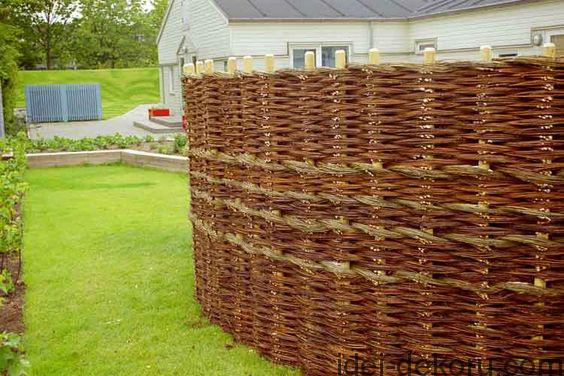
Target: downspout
[(371, 33)]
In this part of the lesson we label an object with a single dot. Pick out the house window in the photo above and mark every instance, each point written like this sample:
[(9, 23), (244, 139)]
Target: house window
[(558, 40), (299, 57), (171, 79), (328, 55), (508, 54), (324, 54), (421, 44)]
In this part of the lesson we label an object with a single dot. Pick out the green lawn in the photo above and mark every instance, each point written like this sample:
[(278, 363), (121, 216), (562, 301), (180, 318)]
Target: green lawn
[(109, 276), (122, 89)]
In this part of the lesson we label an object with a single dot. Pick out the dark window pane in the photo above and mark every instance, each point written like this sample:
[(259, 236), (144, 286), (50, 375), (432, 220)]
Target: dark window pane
[(328, 55), (299, 57)]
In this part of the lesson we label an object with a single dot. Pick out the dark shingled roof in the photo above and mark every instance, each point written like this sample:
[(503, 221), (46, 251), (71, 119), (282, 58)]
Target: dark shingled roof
[(345, 9)]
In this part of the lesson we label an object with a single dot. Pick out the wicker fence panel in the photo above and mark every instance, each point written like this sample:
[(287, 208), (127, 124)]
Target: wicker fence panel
[(382, 210)]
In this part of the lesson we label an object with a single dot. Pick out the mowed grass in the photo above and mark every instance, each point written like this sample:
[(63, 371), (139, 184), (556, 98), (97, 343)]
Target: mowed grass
[(109, 275), (122, 89)]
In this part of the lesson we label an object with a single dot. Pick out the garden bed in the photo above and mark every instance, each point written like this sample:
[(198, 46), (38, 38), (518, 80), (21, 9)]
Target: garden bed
[(11, 319), (170, 146)]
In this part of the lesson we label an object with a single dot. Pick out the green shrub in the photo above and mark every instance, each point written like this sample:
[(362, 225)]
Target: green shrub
[(8, 75), (11, 355), (12, 189), (116, 141), (180, 141)]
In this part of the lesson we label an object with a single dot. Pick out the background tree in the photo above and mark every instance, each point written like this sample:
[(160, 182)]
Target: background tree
[(8, 61), (115, 34), (45, 26)]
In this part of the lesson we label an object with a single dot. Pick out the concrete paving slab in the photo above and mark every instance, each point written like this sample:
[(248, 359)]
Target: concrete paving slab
[(81, 129)]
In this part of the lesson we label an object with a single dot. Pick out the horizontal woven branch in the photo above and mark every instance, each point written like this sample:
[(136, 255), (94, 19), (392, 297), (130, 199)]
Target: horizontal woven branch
[(401, 276), (381, 210), (375, 201), (446, 172), (324, 225)]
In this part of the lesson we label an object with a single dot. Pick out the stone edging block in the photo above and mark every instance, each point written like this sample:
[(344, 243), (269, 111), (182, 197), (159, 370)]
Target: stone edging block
[(173, 163)]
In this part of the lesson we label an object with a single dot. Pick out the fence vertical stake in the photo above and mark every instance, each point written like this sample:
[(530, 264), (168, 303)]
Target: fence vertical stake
[(340, 59), (429, 56), (209, 67), (269, 63), (486, 53), (189, 69), (199, 67), (549, 50), (231, 65), (309, 61), (248, 64), (374, 56)]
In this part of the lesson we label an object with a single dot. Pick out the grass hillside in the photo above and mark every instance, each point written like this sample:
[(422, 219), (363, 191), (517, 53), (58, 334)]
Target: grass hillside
[(122, 89)]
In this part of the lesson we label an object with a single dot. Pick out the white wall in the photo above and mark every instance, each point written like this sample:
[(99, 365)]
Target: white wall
[(172, 97), (171, 34), (208, 29), (258, 38), (506, 28), (459, 35), (168, 48)]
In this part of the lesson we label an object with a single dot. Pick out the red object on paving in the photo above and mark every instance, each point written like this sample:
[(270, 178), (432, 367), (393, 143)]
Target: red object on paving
[(159, 112)]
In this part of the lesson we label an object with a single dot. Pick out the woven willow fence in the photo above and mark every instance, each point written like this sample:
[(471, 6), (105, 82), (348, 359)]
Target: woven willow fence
[(381, 210)]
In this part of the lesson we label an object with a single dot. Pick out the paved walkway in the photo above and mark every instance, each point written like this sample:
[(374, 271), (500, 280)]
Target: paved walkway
[(79, 129)]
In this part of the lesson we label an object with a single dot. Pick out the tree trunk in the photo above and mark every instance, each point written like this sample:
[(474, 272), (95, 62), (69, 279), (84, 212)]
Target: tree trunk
[(48, 58), (48, 48)]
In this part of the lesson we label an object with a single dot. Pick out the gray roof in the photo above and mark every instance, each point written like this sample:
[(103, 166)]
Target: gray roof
[(445, 6), (344, 9)]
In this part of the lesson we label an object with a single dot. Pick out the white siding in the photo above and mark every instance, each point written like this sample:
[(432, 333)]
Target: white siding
[(459, 35), (172, 95), (208, 29), (391, 37), (171, 34), (259, 39), (168, 48), (505, 28)]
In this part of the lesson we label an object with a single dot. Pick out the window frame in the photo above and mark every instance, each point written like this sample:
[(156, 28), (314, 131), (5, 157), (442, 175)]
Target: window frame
[(171, 85), (317, 46), (424, 42)]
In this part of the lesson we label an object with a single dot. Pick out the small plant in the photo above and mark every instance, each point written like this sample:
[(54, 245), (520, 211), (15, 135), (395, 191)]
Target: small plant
[(163, 149), (6, 282), (12, 360), (180, 141), (115, 141)]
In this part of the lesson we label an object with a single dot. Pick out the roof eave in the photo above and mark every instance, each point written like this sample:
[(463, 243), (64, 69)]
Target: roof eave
[(341, 19), (163, 23), (373, 19), (454, 11)]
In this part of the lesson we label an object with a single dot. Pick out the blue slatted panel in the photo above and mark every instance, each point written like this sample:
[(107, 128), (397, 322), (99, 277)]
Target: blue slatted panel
[(49, 103)]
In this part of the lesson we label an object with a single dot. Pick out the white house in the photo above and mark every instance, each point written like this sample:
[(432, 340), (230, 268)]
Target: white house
[(401, 29)]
